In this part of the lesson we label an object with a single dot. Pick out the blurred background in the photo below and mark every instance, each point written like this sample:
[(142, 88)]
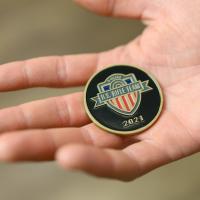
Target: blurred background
[(32, 28)]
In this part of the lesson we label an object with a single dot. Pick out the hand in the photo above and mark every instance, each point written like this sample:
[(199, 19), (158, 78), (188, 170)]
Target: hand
[(58, 128)]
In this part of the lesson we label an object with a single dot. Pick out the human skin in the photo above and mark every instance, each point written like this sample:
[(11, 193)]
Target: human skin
[(59, 129)]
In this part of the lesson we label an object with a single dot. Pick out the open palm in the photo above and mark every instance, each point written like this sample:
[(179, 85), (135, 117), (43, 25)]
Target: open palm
[(58, 128)]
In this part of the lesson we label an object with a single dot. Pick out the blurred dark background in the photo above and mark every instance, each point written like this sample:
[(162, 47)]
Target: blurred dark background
[(33, 28)]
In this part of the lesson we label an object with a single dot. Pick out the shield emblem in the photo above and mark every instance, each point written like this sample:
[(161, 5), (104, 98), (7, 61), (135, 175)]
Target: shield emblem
[(126, 104)]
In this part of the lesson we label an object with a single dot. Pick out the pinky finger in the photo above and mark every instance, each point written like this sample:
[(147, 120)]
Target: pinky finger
[(100, 162)]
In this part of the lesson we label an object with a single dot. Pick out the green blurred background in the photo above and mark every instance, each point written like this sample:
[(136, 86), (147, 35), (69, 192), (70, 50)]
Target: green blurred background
[(32, 28)]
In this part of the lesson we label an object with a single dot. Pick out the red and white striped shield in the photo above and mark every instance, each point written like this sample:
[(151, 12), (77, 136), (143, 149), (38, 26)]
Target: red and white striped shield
[(126, 104)]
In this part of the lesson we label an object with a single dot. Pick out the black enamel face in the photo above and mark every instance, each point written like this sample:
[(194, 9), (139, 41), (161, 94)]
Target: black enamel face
[(123, 99)]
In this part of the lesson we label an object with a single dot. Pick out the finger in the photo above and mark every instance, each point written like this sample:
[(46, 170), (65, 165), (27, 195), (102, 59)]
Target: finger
[(58, 71), (48, 72), (119, 8), (63, 111), (125, 165), (157, 146), (40, 145), (100, 162)]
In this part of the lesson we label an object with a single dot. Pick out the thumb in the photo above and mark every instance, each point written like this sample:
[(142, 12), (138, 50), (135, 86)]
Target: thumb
[(120, 8)]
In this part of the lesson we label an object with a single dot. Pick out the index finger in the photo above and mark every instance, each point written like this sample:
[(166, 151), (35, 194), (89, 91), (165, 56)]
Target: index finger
[(57, 71)]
